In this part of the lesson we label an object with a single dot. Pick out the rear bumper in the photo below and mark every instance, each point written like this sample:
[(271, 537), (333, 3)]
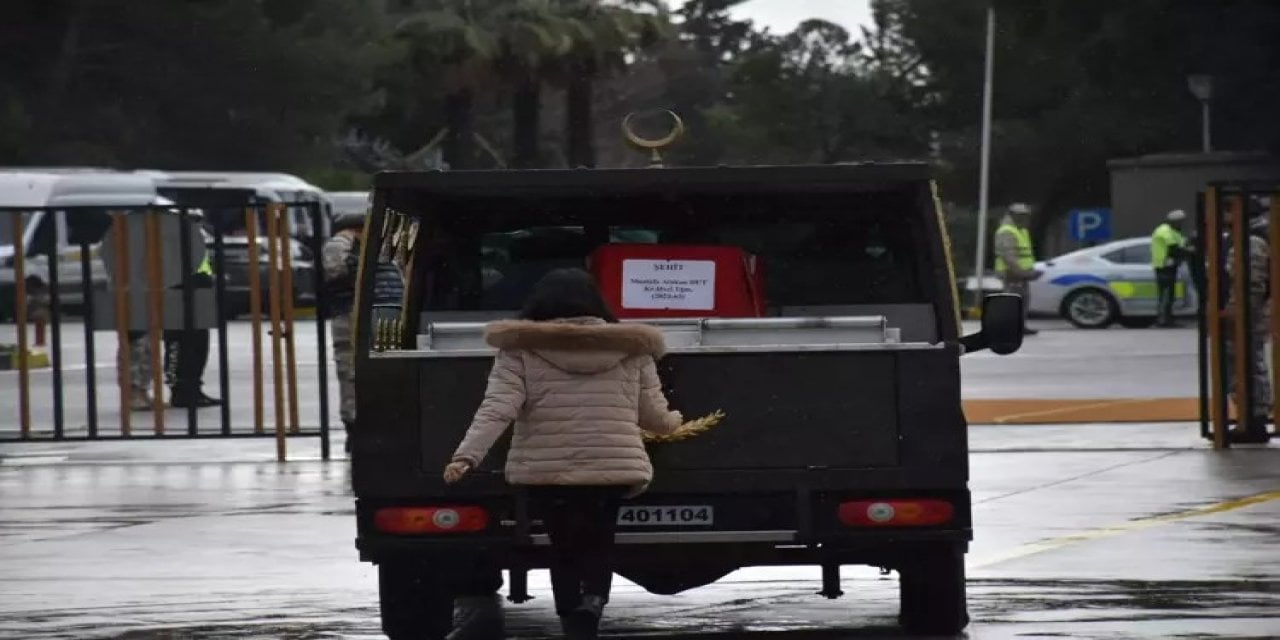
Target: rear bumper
[(736, 548), (751, 529)]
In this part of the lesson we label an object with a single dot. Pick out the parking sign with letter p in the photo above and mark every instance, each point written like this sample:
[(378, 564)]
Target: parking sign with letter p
[(1090, 225)]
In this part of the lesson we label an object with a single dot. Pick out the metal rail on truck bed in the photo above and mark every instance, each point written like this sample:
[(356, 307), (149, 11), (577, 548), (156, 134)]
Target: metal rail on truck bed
[(704, 335)]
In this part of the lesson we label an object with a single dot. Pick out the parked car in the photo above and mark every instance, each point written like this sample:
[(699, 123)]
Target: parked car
[(1111, 283), (344, 202), (59, 209), (235, 264)]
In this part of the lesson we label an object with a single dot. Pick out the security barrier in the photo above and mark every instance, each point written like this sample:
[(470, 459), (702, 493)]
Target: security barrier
[(142, 277), (1233, 330)]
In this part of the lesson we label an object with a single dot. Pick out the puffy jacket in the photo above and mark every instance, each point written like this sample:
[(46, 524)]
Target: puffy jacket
[(579, 392)]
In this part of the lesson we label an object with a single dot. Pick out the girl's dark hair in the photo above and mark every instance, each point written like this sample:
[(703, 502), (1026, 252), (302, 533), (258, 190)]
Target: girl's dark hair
[(566, 293)]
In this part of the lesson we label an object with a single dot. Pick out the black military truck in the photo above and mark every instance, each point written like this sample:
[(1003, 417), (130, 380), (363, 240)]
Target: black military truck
[(830, 349)]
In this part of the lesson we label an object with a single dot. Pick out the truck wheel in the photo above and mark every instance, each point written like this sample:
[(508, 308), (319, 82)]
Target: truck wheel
[(416, 604), (932, 593)]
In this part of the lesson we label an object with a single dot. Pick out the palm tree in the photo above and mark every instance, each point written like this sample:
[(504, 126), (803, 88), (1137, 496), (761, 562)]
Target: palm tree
[(605, 37), (532, 37), (451, 34), (516, 45)]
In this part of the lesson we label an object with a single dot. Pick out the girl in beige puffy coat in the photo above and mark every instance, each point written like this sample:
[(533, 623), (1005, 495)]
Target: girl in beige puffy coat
[(580, 389)]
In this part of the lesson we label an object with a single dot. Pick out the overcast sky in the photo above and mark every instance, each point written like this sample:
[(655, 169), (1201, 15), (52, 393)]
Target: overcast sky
[(781, 16)]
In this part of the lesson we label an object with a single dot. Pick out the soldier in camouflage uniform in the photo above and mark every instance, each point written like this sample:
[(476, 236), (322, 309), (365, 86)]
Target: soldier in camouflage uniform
[(139, 348), (341, 260), (1254, 428)]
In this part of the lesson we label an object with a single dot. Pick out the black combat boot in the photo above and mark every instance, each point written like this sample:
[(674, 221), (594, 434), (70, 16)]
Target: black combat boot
[(583, 623), (348, 427), (182, 399), (1252, 432), (477, 618)]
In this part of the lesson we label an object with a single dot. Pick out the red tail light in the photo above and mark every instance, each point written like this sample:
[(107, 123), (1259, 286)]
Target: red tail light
[(418, 520), (898, 512)]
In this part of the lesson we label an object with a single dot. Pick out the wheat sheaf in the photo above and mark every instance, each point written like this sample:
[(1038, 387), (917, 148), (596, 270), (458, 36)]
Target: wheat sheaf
[(690, 429)]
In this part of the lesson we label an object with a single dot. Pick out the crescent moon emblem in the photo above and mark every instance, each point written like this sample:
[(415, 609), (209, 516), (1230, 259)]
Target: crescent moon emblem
[(677, 130)]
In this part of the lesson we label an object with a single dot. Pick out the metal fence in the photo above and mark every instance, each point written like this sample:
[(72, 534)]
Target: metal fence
[(1233, 331), (136, 273)]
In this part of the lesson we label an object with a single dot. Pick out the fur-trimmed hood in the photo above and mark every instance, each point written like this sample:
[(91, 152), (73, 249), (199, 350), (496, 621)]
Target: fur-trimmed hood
[(581, 345), (577, 334)]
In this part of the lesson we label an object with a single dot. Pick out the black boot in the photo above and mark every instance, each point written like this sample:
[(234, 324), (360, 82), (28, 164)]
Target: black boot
[(348, 427), (182, 399), (477, 618), (583, 623), (1252, 432)]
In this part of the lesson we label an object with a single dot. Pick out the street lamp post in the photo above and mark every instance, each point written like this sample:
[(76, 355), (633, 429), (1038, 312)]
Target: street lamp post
[(984, 180), (1201, 86)]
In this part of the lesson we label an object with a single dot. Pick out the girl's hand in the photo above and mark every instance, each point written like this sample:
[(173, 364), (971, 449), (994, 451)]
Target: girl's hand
[(454, 471)]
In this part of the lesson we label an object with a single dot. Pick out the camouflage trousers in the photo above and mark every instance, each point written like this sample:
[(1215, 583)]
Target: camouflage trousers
[(344, 359), (139, 350), (1259, 333)]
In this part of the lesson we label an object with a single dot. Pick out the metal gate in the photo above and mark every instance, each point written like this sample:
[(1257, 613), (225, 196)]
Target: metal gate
[(1234, 330), (130, 278)]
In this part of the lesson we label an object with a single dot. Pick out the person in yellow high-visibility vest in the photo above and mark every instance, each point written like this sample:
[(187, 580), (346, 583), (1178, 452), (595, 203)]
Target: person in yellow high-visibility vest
[(1016, 257), (1168, 250), (187, 352)]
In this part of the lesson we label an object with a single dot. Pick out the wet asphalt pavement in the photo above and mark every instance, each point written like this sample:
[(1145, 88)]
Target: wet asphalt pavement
[(1082, 531), (1132, 531)]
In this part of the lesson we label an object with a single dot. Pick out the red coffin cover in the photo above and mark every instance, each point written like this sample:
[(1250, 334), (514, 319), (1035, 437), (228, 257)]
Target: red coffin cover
[(679, 281)]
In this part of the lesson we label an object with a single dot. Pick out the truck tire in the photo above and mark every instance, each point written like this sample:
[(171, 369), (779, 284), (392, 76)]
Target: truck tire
[(931, 588), (416, 603)]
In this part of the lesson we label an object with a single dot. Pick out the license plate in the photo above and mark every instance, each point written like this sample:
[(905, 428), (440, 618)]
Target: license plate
[(685, 516)]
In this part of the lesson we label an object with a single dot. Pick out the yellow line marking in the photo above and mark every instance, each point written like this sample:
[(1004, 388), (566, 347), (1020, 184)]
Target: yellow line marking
[(1067, 409), (1112, 531)]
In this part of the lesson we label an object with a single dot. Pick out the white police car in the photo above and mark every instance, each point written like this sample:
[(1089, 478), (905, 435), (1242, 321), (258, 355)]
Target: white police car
[(1110, 283)]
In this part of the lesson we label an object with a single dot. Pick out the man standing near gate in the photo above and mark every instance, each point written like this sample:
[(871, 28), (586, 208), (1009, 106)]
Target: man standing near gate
[(1252, 429), (186, 353), (341, 261), (1168, 250), (1016, 257)]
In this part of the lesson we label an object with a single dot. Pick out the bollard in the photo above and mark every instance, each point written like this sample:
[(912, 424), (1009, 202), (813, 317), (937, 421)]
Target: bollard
[(255, 313), (123, 357), (20, 317)]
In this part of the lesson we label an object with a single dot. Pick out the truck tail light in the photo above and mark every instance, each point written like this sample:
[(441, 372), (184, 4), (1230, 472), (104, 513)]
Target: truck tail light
[(420, 520), (898, 512)]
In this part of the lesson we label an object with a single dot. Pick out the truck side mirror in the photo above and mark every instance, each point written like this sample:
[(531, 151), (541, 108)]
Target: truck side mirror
[(1001, 325)]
